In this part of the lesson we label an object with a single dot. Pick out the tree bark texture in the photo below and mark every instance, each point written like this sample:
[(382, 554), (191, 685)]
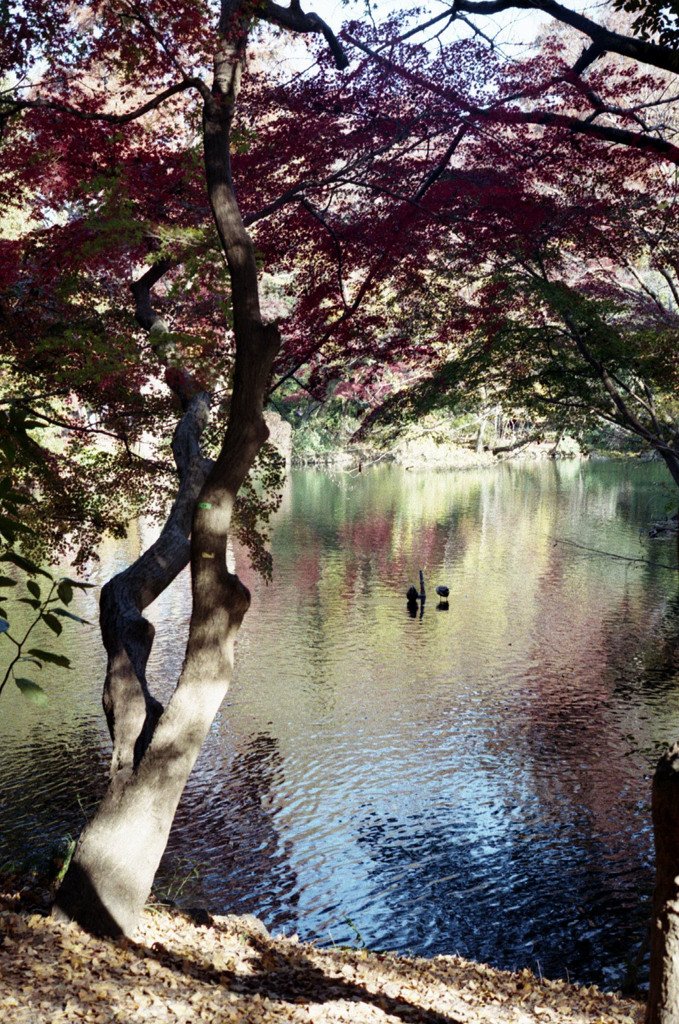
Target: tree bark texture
[(118, 853), (663, 995)]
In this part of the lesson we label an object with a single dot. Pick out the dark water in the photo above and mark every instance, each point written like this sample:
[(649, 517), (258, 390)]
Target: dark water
[(476, 780)]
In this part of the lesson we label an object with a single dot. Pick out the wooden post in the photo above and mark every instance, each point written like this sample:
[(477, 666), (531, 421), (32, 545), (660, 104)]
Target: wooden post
[(663, 993)]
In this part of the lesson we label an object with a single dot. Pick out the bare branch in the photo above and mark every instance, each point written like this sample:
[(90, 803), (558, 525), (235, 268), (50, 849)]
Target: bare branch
[(437, 171), (144, 313), (448, 16), (14, 106), (588, 56), (612, 554), (78, 428), (294, 19), (651, 407), (612, 387), (671, 284), (637, 49)]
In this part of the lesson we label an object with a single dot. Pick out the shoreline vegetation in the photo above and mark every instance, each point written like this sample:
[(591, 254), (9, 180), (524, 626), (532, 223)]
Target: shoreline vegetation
[(188, 966), (437, 442)]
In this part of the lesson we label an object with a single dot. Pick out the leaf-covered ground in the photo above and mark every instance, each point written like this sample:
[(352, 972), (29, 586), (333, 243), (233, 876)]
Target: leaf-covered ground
[(231, 969)]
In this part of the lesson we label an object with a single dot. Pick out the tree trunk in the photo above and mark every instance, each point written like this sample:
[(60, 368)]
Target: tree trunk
[(154, 750), (559, 438), (663, 995), (483, 420), (671, 460), (118, 853)]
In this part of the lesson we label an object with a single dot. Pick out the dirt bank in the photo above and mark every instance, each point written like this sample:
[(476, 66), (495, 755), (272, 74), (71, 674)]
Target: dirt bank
[(231, 969)]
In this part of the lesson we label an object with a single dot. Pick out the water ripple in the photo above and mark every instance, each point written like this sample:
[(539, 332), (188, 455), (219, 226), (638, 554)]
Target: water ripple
[(475, 779)]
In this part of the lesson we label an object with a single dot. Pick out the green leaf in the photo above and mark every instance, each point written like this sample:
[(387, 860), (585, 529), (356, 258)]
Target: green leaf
[(32, 691), (33, 588), (70, 615), (12, 526), (31, 601), (54, 659), (8, 449), (7, 581), (6, 530), (52, 622), (24, 563), (34, 661), (65, 591)]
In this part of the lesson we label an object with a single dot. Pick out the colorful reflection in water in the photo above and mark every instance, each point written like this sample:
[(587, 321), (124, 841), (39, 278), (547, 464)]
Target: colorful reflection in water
[(475, 779)]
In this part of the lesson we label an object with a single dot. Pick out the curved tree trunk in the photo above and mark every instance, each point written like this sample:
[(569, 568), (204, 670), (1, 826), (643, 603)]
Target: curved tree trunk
[(154, 750), (663, 994), (118, 853)]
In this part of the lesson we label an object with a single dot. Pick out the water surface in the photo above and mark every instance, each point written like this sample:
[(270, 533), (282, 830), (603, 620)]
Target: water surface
[(474, 780)]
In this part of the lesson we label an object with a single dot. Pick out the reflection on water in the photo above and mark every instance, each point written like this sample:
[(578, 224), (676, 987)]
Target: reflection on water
[(472, 780)]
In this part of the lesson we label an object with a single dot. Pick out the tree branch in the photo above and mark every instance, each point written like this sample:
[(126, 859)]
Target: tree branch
[(178, 379), (497, 113), (437, 171), (8, 107), (628, 417), (78, 428), (144, 313), (640, 50), (588, 56), (331, 231), (131, 711), (670, 283), (294, 19)]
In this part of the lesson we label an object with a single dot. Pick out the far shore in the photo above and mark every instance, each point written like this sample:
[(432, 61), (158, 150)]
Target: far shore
[(420, 455)]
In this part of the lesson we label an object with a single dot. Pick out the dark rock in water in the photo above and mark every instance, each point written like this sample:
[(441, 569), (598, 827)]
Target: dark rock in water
[(412, 595), (442, 591)]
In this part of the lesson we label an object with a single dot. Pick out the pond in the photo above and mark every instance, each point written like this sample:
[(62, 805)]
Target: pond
[(474, 779)]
